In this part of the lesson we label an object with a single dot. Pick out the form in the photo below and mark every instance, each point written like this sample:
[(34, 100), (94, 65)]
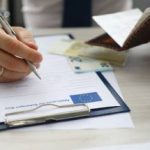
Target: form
[(112, 121), (59, 85)]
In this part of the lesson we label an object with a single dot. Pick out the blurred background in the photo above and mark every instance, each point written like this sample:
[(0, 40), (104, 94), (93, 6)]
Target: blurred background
[(14, 7)]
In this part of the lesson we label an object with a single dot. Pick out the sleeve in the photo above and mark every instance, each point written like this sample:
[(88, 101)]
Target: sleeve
[(42, 13)]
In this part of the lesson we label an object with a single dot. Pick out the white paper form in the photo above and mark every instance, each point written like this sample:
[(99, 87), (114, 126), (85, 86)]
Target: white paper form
[(122, 120), (57, 86), (112, 121), (140, 146), (119, 25)]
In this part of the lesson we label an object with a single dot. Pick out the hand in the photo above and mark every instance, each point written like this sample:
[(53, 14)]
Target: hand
[(13, 50)]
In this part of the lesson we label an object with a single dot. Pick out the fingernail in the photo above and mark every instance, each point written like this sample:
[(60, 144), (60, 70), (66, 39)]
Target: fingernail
[(32, 45)]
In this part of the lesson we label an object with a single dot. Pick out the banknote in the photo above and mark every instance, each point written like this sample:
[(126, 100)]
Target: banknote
[(80, 49), (75, 48), (83, 64)]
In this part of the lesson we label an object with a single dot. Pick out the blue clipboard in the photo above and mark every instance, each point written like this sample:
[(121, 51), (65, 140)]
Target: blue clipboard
[(83, 111), (79, 111)]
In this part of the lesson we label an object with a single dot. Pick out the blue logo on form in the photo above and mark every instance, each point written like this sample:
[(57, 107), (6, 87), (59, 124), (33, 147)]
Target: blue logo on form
[(85, 98)]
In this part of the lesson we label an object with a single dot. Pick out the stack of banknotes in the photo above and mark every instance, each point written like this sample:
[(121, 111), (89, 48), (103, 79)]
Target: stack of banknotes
[(84, 58)]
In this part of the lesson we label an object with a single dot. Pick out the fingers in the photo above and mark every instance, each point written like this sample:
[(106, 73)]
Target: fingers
[(13, 63), (17, 48), (14, 68), (13, 52), (10, 76), (26, 37)]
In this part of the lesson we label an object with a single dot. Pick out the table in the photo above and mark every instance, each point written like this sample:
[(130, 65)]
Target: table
[(134, 81)]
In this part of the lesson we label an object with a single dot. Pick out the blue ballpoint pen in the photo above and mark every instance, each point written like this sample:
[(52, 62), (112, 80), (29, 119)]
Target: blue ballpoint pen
[(8, 29)]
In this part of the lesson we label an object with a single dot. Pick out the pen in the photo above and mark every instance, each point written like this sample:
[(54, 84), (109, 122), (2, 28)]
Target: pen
[(8, 29)]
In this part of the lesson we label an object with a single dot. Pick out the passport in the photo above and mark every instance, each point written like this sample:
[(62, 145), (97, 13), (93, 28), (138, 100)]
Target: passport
[(123, 30)]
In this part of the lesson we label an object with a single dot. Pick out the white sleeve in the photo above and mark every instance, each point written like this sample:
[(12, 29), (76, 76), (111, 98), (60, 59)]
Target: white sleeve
[(42, 13)]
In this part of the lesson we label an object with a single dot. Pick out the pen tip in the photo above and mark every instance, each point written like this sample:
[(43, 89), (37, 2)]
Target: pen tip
[(39, 77)]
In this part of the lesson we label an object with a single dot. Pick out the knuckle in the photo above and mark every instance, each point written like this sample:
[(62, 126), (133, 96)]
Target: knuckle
[(29, 33), (17, 65), (32, 57), (13, 46), (35, 57), (28, 37), (11, 64), (25, 68), (28, 72), (23, 32), (18, 28)]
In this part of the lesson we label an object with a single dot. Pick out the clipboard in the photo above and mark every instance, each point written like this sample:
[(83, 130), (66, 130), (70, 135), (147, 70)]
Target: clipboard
[(62, 113)]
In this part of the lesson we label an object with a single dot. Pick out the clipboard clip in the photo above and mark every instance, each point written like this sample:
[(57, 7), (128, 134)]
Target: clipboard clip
[(45, 113)]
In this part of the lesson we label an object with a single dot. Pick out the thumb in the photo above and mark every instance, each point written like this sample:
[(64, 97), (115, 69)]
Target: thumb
[(26, 37)]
